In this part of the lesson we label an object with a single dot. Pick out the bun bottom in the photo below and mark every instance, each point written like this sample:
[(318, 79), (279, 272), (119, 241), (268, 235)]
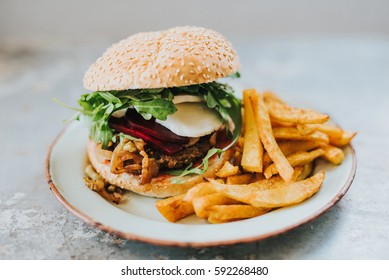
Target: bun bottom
[(160, 186)]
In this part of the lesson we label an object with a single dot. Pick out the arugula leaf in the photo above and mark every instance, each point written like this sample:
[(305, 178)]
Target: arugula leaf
[(235, 75), (196, 170), (157, 108), (220, 97), (98, 106), (109, 97)]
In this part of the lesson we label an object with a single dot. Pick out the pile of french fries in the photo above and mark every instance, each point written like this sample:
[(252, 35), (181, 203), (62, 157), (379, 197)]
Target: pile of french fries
[(272, 166)]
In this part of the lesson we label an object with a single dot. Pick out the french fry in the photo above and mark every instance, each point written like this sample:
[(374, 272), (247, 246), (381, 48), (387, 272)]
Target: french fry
[(299, 158), (333, 154), (331, 130), (285, 113), (305, 129), (344, 140), (307, 170), (285, 195), (267, 138), (292, 146), (240, 179), (276, 123), (252, 148), (202, 204), (174, 208), (198, 191), (227, 170), (266, 184), (269, 96), (277, 181), (228, 213), (292, 133)]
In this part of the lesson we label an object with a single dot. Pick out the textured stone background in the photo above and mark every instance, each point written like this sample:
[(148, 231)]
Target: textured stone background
[(346, 75)]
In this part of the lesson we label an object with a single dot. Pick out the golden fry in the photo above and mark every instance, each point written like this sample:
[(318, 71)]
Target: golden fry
[(174, 208), (344, 140), (252, 149), (240, 179), (292, 146), (276, 181), (305, 129), (266, 184), (292, 133), (268, 140), (202, 204), (276, 123), (227, 170), (199, 190), (299, 158), (331, 130), (333, 154), (228, 213), (307, 170), (285, 113), (284, 195), (272, 97)]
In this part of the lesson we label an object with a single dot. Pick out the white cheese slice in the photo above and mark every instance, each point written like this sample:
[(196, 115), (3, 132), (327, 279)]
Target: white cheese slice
[(192, 120), (187, 98)]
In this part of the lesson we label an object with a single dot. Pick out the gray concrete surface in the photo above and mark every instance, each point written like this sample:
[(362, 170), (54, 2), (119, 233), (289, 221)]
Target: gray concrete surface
[(348, 77), (84, 20)]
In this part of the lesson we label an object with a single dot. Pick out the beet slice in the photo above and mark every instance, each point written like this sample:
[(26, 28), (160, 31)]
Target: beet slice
[(152, 128), (121, 125)]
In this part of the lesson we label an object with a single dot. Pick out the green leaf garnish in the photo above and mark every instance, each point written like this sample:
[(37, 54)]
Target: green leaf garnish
[(98, 106), (157, 108), (235, 75), (195, 170)]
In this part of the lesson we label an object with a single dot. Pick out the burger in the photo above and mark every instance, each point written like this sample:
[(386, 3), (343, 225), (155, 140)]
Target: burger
[(159, 120)]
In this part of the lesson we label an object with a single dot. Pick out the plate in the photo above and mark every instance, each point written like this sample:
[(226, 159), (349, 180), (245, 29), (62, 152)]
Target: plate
[(138, 219)]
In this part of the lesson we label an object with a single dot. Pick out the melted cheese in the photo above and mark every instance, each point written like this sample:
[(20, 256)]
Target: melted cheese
[(192, 120)]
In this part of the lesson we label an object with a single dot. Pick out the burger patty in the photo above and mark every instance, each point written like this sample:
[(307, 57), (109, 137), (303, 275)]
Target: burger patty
[(183, 157)]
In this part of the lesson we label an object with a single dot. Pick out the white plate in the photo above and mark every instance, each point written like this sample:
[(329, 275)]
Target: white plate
[(138, 219)]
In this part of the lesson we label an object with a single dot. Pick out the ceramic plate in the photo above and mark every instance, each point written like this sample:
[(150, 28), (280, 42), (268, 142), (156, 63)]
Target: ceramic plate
[(138, 219)]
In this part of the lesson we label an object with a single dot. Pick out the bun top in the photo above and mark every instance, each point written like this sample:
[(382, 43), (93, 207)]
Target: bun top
[(175, 57)]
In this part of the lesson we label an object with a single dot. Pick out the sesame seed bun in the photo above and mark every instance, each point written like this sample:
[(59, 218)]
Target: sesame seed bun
[(159, 186), (175, 57)]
